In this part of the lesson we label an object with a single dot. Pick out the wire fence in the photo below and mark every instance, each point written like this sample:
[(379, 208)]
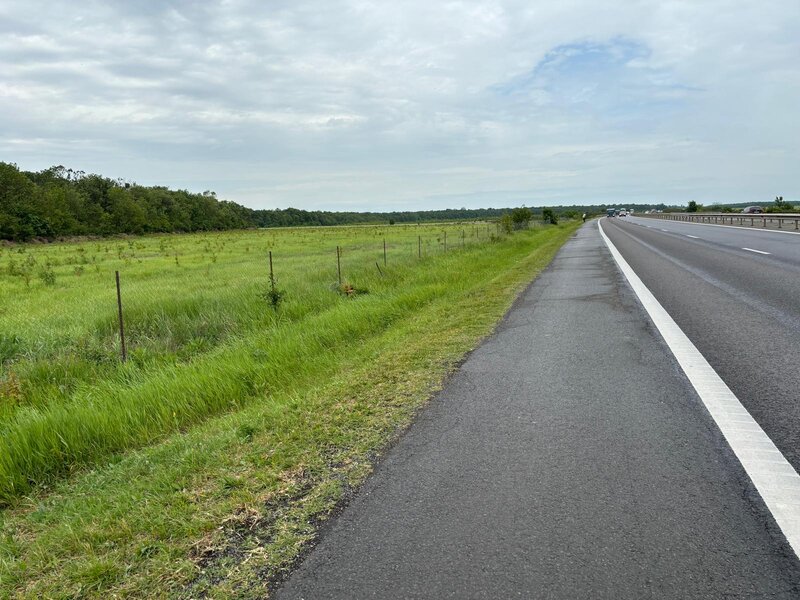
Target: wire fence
[(168, 298)]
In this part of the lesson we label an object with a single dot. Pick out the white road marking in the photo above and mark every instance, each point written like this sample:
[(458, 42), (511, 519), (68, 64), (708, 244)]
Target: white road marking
[(667, 230), (745, 227), (752, 250), (774, 478), (694, 237)]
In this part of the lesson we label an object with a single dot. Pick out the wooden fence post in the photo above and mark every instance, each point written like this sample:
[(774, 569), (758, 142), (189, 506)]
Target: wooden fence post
[(121, 323)]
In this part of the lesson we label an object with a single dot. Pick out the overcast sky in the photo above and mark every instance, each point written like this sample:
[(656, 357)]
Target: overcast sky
[(356, 105)]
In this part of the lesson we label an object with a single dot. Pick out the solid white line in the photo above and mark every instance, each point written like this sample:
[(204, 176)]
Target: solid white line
[(774, 478), (752, 250), (694, 237)]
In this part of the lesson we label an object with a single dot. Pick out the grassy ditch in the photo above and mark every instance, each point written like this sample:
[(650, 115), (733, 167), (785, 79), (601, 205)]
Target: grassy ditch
[(216, 469)]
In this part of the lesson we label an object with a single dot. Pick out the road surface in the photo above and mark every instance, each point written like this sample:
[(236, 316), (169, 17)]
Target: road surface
[(736, 294), (569, 457)]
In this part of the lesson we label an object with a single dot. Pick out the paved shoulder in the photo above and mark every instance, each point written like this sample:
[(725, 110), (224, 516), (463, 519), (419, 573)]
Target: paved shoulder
[(568, 458)]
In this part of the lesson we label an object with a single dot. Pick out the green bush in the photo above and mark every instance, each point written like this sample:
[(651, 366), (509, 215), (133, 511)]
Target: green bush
[(521, 217), (780, 206)]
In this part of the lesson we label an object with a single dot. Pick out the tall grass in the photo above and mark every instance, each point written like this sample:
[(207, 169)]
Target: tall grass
[(203, 338)]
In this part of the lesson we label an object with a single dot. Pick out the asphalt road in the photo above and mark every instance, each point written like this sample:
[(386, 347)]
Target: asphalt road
[(783, 246), (739, 307), (568, 458)]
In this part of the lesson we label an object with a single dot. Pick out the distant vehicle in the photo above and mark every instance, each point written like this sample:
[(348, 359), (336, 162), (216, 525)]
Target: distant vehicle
[(753, 210), (623, 212), (610, 212)]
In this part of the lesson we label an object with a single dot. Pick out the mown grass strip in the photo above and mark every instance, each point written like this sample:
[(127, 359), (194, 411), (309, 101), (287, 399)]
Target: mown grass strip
[(224, 507)]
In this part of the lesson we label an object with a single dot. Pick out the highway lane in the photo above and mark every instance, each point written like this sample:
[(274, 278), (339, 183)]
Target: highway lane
[(739, 307), (781, 245)]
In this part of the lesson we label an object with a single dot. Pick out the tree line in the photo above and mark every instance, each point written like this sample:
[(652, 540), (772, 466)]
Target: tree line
[(59, 202)]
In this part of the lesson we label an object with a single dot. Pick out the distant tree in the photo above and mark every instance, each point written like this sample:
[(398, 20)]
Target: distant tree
[(549, 216), (20, 208), (127, 216), (692, 207), (506, 223), (779, 205), (521, 217), (779, 202)]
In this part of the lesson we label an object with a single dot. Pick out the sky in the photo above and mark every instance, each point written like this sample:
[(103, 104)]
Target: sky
[(411, 105)]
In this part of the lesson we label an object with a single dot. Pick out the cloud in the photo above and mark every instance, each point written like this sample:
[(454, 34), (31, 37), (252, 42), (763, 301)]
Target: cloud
[(374, 105), (611, 82)]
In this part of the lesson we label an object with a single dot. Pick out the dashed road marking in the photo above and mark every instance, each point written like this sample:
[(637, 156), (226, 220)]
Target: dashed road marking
[(773, 476), (742, 227), (753, 250), (694, 237)]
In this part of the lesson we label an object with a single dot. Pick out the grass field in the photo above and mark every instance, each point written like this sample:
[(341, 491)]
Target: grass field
[(199, 465)]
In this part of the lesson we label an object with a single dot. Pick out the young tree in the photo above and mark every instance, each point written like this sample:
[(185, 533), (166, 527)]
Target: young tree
[(521, 217), (549, 216)]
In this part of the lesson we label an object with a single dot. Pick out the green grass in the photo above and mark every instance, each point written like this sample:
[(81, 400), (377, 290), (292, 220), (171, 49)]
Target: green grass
[(201, 336), (197, 471)]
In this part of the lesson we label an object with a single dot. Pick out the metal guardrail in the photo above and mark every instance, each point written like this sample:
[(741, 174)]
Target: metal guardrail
[(763, 220)]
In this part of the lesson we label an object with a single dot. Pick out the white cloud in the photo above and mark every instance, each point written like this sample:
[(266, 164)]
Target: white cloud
[(374, 105)]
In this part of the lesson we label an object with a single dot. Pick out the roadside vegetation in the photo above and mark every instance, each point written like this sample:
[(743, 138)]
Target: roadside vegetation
[(779, 205), (248, 406)]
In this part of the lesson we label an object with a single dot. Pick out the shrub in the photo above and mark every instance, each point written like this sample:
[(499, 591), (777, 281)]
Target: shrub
[(549, 216), (48, 276), (521, 217), (779, 206)]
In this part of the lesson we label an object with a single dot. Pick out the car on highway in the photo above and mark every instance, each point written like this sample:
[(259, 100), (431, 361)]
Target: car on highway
[(610, 212), (623, 212), (752, 210)]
